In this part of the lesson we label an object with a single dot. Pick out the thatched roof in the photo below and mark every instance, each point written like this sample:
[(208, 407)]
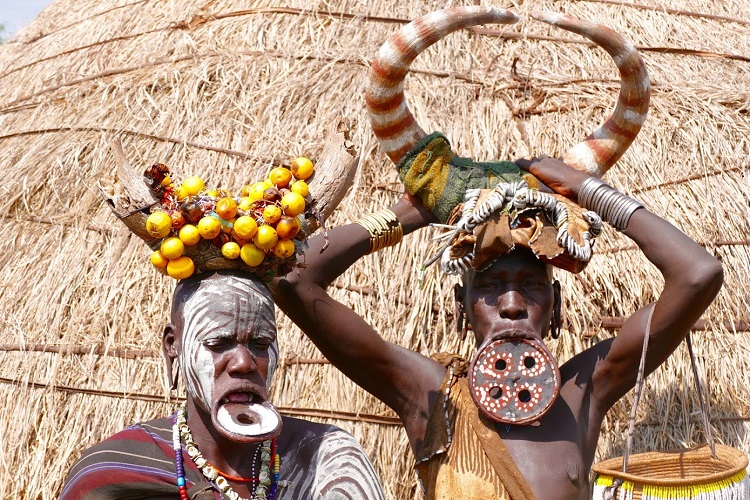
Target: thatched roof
[(225, 88)]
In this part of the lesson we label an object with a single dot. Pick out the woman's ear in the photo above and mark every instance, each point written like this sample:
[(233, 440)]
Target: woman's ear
[(169, 350)]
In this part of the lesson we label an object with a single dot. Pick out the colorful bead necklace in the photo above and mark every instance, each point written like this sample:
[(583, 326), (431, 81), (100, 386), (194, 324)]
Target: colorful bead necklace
[(267, 482)]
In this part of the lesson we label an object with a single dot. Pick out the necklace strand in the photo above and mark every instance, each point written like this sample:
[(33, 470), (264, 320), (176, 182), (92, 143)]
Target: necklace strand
[(267, 481)]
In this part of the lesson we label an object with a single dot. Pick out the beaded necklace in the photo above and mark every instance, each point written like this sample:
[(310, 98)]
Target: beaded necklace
[(267, 481)]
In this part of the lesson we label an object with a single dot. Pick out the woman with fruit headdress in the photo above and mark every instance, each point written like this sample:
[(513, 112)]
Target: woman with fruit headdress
[(510, 424), (228, 440)]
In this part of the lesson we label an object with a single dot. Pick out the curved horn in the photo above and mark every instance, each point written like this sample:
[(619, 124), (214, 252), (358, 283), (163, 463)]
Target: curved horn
[(600, 150), (392, 122)]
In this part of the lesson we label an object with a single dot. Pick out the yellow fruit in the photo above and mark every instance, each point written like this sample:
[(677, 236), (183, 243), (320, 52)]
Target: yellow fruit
[(265, 238), (252, 255), (292, 204), (158, 260), (302, 168), (226, 208), (230, 250), (181, 268), (283, 249), (301, 188), (159, 224), (272, 214), (209, 227), (166, 181), (255, 192), (280, 177), (193, 185), (180, 193), (245, 227), (245, 203), (189, 235), (214, 193), (172, 248), (288, 227)]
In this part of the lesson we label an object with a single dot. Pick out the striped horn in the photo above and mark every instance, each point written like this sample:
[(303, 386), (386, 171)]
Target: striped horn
[(600, 150), (392, 121)]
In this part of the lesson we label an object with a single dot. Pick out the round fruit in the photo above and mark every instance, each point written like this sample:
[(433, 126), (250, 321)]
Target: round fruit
[(181, 268), (302, 168), (226, 225), (271, 194), (226, 208), (193, 185), (292, 204), (159, 224), (172, 248), (252, 255), (190, 235), (230, 250), (180, 193), (158, 260), (209, 227), (288, 227), (245, 203), (265, 238), (272, 214), (301, 188), (178, 220), (283, 249), (166, 181), (245, 227), (280, 176)]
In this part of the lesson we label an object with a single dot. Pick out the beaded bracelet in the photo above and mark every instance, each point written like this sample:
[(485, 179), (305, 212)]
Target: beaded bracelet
[(384, 228), (613, 206)]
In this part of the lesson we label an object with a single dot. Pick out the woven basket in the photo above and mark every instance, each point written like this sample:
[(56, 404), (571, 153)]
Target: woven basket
[(691, 473)]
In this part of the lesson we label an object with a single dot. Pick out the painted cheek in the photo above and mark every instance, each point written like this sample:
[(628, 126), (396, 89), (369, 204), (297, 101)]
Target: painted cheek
[(199, 380)]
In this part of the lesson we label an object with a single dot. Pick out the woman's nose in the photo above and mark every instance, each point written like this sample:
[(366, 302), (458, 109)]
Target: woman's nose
[(512, 305), (242, 360)]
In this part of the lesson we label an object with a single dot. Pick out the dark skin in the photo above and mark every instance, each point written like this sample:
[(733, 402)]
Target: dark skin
[(516, 293)]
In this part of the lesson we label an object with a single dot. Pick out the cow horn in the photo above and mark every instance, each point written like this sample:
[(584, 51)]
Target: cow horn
[(392, 121), (600, 150)]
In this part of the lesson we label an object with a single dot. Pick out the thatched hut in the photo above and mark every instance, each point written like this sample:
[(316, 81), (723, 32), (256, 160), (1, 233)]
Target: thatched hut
[(226, 88)]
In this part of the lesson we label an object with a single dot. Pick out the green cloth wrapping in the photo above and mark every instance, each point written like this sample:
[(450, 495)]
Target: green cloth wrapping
[(432, 172)]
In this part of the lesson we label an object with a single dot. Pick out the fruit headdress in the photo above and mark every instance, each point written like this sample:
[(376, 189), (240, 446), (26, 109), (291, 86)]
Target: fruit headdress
[(192, 228)]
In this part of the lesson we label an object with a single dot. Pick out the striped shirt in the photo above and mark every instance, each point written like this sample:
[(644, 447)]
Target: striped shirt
[(138, 462)]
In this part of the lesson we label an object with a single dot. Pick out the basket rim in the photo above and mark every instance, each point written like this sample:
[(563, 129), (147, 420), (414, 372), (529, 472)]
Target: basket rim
[(736, 459)]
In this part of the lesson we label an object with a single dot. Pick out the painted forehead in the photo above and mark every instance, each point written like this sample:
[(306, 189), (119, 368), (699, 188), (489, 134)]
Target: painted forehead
[(519, 260), (228, 305)]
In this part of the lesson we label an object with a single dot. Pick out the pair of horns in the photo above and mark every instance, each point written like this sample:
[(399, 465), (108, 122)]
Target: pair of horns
[(398, 131)]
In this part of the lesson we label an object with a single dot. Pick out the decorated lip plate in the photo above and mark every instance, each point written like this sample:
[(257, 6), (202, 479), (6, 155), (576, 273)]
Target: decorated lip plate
[(514, 381)]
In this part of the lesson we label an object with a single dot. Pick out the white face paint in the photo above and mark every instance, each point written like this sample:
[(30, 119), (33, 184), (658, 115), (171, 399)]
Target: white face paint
[(224, 308)]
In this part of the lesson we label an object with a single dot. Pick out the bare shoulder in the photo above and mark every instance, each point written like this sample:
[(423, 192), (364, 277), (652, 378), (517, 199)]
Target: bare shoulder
[(322, 461)]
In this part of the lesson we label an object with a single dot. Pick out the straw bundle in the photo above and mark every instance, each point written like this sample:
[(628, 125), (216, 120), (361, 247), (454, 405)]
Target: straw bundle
[(227, 88)]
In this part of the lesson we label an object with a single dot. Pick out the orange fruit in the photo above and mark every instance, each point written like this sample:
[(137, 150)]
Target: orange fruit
[(180, 193), (302, 168), (272, 214), (193, 185), (245, 203), (245, 227), (283, 249), (226, 225), (292, 204), (159, 224), (181, 268), (301, 188), (226, 208), (230, 250), (158, 260), (209, 227), (280, 177), (172, 248), (166, 181), (288, 227), (189, 235), (265, 238), (252, 255)]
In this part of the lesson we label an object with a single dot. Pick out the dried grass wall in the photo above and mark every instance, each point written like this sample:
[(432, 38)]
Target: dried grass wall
[(226, 88)]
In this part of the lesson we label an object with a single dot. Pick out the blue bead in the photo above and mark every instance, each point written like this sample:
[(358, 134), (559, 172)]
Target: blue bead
[(180, 481)]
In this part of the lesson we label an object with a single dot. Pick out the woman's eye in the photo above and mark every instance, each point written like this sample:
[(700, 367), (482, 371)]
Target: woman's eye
[(262, 343), (216, 344)]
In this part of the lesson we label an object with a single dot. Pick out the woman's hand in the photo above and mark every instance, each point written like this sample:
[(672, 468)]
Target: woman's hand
[(556, 174)]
